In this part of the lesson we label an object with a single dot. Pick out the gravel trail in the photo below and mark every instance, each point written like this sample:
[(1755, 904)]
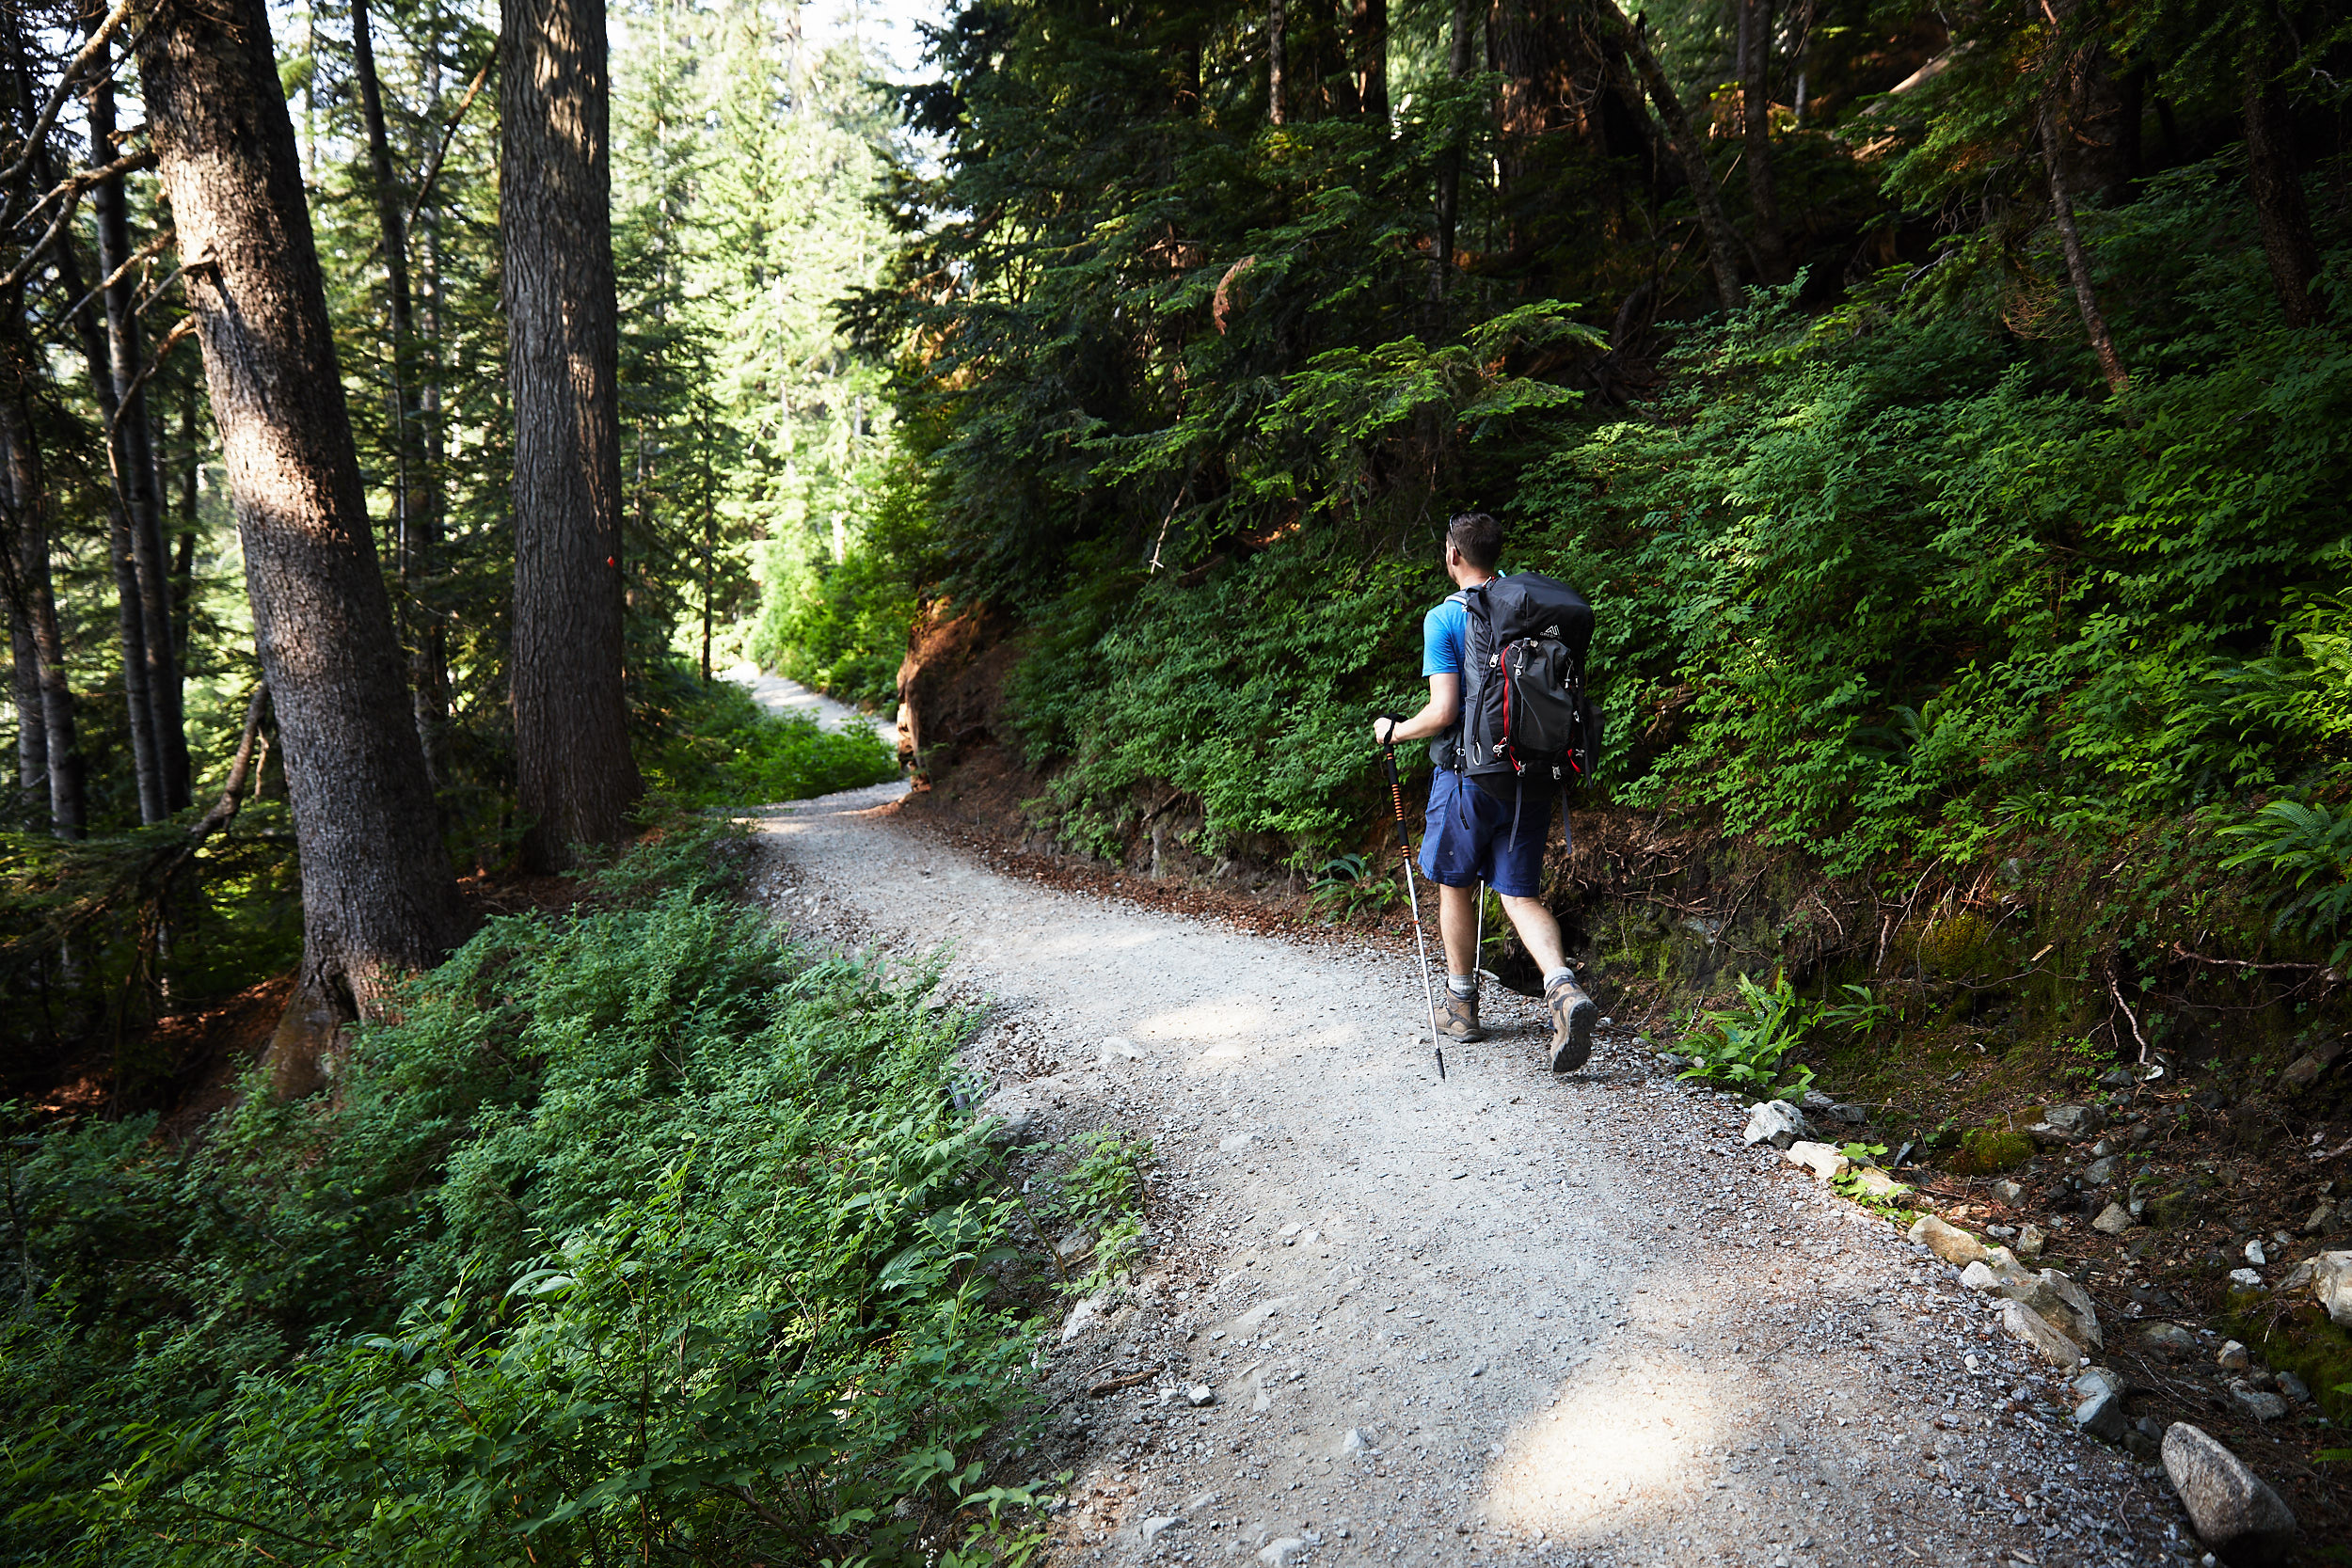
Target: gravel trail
[(1505, 1317)]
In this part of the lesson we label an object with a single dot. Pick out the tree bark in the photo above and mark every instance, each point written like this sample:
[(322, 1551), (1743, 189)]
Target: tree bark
[(416, 484), (2078, 259), (378, 898), (1277, 48), (1369, 35), (1756, 128), (2280, 211), (132, 453), (575, 776), (1723, 245)]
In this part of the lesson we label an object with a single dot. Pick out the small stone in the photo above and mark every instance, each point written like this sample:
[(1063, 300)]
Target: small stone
[(1877, 1183), (2074, 1120), (2235, 1511), (2246, 1279), (2116, 1078), (1816, 1100), (1233, 1143), (2260, 1404), (2322, 1217), (1086, 1315), (1775, 1121), (1283, 1553), (1478, 1368), (1199, 1395), (1019, 1129), (1822, 1160), (2008, 1193), (2255, 1254), (2102, 1415), (1352, 1442), (2084, 1324), (1950, 1245), (2169, 1339), (2099, 1173), (2040, 1335), (2292, 1388), (2113, 1219), (2331, 1282), (2232, 1357), (1118, 1050), (1852, 1116), (1151, 1528), (2097, 1380), (2030, 1241), (1977, 1276)]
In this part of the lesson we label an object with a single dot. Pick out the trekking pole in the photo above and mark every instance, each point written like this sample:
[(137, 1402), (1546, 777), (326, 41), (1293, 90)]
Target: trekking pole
[(1405, 853)]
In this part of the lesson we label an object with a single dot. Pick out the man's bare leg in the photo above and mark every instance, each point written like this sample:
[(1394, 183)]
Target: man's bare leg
[(1539, 933), (1457, 933)]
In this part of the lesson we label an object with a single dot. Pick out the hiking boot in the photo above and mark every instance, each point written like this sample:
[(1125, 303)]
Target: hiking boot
[(1457, 1017), (1573, 1015)]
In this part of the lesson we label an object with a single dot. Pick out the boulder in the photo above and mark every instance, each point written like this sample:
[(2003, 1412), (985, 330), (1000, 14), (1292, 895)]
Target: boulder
[(2331, 1283), (2078, 1306), (1948, 1243), (1822, 1160), (2236, 1514), (2305, 1069), (2102, 1415), (2113, 1219), (1776, 1122), (2040, 1335)]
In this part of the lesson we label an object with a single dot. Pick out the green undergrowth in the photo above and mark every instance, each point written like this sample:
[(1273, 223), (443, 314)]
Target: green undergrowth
[(714, 746), (639, 1235)]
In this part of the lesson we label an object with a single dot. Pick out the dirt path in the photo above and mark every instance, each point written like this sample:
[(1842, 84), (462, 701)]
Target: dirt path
[(778, 695), (1505, 1316)]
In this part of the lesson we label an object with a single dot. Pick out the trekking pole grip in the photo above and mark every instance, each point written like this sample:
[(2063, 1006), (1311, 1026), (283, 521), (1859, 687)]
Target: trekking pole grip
[(1396, 790)]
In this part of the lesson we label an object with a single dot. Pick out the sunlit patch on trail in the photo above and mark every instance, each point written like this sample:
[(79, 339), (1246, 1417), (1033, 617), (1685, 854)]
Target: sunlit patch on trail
[(1616, 1445)]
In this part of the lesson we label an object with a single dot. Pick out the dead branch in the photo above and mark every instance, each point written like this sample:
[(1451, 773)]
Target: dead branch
[(449, 135), (146, 252), (47, 120), (2180, 951), (163, 350), (68, 192)]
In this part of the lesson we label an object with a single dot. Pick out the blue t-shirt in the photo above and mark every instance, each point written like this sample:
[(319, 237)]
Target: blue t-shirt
[(1444, 635)]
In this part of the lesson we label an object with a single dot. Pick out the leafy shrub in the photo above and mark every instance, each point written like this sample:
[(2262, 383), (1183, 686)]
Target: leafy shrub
[(1744, 1047), (2306, 853), (715, 746), (637, 1235)]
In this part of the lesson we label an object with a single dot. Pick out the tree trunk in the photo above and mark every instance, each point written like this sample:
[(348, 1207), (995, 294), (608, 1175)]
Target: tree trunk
[(416, 483), (1723, 245), (132, 452), (575, 776), (1756, 129), (2077, 260), (378, 898), (2280, 211), (35, 600), (183, 568), (1369, 36), (1450, 163), (1276, 47)]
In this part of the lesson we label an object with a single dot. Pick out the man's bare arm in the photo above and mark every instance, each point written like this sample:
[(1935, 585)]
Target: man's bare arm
[(1437, 716)]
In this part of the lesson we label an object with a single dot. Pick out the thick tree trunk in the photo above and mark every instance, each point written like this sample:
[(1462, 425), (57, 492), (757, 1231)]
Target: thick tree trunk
[(1369, 40), (575, 776), (32, 735), (132, 452), (2078, 258), (378, 898), (183, 565), (1277, 61), (1756, 130), (1723, 245), (2280, 210)]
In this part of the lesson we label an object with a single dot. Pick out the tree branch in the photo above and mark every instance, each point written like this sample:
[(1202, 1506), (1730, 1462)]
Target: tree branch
[(146, 252), (41, 126), (449, 135), (171, 341)]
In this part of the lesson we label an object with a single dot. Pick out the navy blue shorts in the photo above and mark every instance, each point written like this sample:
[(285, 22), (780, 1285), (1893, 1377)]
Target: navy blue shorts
[(1471, 836)]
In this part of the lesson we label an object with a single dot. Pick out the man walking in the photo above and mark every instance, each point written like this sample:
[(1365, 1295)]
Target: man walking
[(1484, 827)]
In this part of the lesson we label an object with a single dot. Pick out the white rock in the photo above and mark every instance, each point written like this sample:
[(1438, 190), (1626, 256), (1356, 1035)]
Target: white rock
[(2234, 1511), (2102, 1415), (2097, 1380), (1977, 1276), (1233, 1143), (2040, 1335), (2331, 1282), (1086, 1315), (1118, 1050), (1153, 1526), (2260, 1404), (1822, 1160), (1877, 1183), (2113, 1219), (1283, 1553), (2081, 1322), (1352, 1442), (2232, 1357), (2030, 1242), (1200, 1394), (2008, 1192), (1775, 1121), (2246, 1279), (2255, 1254)]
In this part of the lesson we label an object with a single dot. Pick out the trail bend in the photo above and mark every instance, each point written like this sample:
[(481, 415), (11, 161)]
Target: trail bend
[(1502, 1317)]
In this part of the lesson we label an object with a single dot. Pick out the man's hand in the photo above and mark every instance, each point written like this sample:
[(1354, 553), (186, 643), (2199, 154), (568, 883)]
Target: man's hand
[(1384, 730)]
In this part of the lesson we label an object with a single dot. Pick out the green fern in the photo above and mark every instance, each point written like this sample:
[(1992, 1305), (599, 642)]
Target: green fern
[(2307, 851)]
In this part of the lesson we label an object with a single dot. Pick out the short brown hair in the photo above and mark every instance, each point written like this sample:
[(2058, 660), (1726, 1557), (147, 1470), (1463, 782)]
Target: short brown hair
[(1479, 538)]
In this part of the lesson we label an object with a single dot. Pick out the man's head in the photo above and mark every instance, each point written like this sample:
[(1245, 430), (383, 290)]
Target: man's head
[(1474, 540)]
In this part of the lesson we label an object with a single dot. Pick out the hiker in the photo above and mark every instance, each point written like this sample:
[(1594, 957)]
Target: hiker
[(1486, 823)]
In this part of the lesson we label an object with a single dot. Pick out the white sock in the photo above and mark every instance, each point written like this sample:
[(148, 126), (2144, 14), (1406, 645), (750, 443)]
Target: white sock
[(1462, 985), (1557, 975)]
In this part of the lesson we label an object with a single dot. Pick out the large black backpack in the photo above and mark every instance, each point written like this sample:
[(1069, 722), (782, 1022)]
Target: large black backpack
[(1524, 708)]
